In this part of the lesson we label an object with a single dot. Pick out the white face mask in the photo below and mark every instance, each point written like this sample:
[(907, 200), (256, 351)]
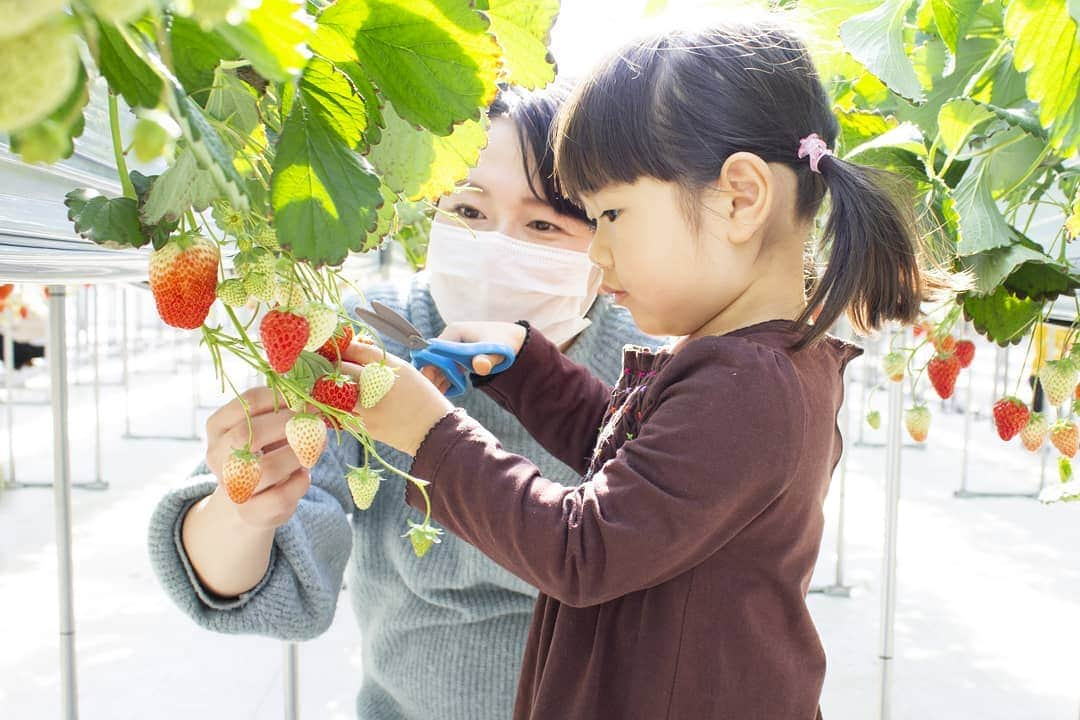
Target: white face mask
[(486, 275)]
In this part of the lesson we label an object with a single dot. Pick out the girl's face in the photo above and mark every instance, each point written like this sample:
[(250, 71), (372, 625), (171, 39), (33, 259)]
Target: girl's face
[(499, 198)]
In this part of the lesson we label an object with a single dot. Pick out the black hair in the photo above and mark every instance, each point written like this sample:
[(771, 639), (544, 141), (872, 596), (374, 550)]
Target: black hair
[(675, 107), (534, 115)]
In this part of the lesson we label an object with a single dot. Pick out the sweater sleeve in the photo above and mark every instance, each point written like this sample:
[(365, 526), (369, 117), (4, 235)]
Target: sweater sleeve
[(297, 597), (560, 403), (716, 448)]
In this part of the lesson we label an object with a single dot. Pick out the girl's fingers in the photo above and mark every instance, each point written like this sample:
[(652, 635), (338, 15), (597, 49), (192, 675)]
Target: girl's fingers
[(259, 400), (266, 431), (277, 466), (483, 364), (275, 505)]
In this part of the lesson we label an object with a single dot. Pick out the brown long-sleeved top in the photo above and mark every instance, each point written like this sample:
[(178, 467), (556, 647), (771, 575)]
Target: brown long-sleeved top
[(673, 580)]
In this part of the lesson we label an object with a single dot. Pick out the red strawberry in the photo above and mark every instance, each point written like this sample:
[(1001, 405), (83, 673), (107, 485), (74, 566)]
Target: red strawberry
[(183, 278), (945, 344), (943, 371), (917, 422), (5, 290), (283, 336), (338, 391), (332, 348), (965, 352), (1010, 417), (1066, 437), (1034, 433), (241, 474)]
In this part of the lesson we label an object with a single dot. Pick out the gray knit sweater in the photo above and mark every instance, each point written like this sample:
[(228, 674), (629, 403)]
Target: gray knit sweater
[(442, 635)]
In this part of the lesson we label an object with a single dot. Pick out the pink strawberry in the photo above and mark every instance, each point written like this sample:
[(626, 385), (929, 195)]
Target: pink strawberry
[(241, 475), (965, 352), (1066, 437), (183, 279), (1034, 433), (338, 391), (283, 336), (894, 365), (917, 422), (1010, 416), (943, 371), (306, 434)]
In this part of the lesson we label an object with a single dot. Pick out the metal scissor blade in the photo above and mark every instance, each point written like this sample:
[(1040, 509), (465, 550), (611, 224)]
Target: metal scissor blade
[(391, 324)]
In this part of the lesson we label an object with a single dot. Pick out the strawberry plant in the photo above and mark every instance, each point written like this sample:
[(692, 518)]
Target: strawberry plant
[(293, 133)]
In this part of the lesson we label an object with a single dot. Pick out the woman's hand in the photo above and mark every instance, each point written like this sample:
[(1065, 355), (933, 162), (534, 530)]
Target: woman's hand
[(503, 333), (284, 480), (405, 415)]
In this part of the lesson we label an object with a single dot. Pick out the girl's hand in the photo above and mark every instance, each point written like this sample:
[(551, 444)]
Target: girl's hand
[(504, 333), (284, 480), (405, 415)]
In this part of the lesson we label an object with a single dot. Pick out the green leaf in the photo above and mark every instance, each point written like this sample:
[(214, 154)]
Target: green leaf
[(125, 69), (876, 39), (196, 54), (373, 105), (1013, 159), (325, 196), (420, 165), (384, 218), (982, 226), (994, 267), (433, 59), (1047, 48), (952, 18), (957, 119), (208, 147), (331, 96), (111, 222), (52, 139), (182, 186), (860, 126), (1001, 316), (274, 37), (523, 29), (1042, 281), (233, 101)]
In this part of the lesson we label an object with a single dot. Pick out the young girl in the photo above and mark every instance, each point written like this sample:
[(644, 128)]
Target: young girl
[(673, 579)]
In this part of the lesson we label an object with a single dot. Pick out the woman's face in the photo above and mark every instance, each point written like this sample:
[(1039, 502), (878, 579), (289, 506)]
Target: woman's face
[(498, 198)]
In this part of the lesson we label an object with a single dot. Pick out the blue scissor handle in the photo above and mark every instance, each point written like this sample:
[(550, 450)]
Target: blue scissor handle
[(455, 360)]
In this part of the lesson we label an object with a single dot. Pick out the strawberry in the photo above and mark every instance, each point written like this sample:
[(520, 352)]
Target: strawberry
[(307, 437), (894, 365), (965, 352), (241, 474), (323, 321), (338, 391), (422, 537), (917, 421), (333, 347), (1066, 437), (943, 371), (283, 336), (1058, 378), (923, 328), (376, 380), (232, 292), (256, 261), (1010, 417), (363, 484), (183, 278), (290, 294), (945, 344), (1034, 433), (1076, 395), (260, 286), (873, 419)]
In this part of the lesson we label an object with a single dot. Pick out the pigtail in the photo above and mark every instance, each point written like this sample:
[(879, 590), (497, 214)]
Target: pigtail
[(877, 269)]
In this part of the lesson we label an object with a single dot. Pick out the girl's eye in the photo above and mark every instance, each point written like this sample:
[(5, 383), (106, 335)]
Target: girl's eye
[(611, 215), (543, 226), (468, 212)]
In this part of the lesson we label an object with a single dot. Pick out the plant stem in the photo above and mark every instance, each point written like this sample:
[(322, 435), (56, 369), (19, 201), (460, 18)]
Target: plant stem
[(118, 147)]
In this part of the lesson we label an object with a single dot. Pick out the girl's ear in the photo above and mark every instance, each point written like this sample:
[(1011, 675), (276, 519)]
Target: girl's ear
[(748, 186)]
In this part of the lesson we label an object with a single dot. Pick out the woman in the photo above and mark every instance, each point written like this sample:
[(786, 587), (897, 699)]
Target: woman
[(442, 635)]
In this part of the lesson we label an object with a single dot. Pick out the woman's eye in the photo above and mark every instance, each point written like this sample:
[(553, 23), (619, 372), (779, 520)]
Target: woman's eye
[(611, 215), (468, 212), (543, 226)]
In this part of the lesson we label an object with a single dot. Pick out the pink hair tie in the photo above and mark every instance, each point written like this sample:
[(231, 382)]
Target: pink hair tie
[(816, 148)]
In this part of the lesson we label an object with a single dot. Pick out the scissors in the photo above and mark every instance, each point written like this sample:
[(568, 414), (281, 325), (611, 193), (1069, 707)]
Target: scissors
[(453, 358)]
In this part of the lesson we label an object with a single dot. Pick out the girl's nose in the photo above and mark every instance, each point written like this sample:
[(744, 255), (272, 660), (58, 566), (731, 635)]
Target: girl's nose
[(598, 253)]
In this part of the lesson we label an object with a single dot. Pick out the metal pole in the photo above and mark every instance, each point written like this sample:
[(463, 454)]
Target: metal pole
[(894, 448), (9, 386), (125, 371), (292, 681), (967, 432), (98, 483), (62, 495)]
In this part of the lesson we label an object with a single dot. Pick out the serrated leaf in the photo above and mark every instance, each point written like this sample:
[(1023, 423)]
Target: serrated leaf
[(957, 119), (523, 29), (111, 222), (274, 37), (1047, 48), (876, 39), (1002, 317), (433, 59), (1042, 281), (125, 69), (982, 226), (331, 96), (993, 267), (420, 165), (952, 18), (325, 196), (52, 139), (859, 126), (384, 218), (233, 101), (183, 186), (208, 147), (196, 54), (1010, 163)]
